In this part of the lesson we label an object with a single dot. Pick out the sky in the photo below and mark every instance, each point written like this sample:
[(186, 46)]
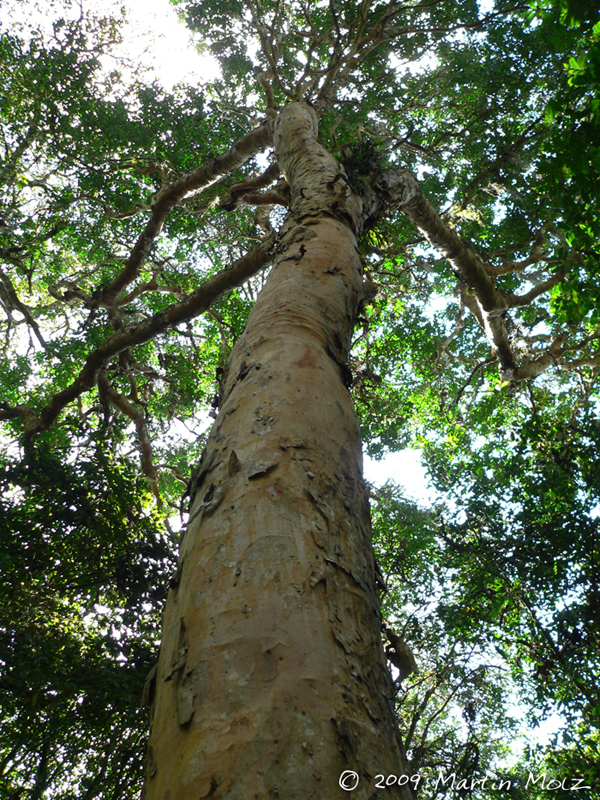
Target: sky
[(156, 36)]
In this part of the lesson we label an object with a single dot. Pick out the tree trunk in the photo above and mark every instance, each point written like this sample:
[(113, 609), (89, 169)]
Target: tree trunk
[(272, 679)]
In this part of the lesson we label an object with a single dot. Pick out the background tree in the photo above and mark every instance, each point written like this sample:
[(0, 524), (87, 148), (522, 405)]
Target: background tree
[(499, 121)]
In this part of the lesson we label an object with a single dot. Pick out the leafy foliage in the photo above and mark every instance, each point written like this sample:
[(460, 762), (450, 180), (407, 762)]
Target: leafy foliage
[(84, 574)]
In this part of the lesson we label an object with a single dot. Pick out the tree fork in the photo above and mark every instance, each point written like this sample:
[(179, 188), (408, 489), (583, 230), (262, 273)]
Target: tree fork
[(272, 678)]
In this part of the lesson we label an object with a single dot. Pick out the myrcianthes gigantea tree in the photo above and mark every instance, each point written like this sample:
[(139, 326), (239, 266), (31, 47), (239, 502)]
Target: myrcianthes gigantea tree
[(380, 221), (272, 678)]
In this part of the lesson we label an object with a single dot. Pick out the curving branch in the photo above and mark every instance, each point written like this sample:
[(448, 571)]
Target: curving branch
[(271, 198), (489, 304), (109, 394), (195, 181), (535, 256), (265, 84), (239, 190), (478, 290), (479, 366), (271, 45), (192, 306), (150, 286), (522, 300), (555, 355)]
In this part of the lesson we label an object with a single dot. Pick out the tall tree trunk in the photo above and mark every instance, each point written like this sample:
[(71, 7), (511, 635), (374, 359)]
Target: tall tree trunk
[(272, 679)]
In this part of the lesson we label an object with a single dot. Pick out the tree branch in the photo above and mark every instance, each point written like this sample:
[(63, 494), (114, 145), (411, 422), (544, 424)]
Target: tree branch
[(197, 180), (402, 190), (137, 417), (13, 298), (193, 305), (261, 181), (519, 301)]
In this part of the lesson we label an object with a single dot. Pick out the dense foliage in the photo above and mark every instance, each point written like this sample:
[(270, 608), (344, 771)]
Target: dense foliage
[(497, 588), (83, 580)]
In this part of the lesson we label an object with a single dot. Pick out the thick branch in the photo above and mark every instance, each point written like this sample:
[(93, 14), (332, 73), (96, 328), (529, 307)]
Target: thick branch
[(194, 305), (519, 301), (198, 179), (555, 355), (271, 198), (402, 189), (536, 255), (239, 190), (150, 286), (592, 361), (478, 291)]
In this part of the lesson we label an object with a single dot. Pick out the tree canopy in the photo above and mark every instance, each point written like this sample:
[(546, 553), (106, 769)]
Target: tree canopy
[(136, 227)]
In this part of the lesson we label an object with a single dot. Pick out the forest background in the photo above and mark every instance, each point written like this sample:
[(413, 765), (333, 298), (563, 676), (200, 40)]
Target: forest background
[(496, 111)]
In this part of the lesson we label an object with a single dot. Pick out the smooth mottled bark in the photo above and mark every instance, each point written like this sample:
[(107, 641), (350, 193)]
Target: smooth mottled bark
[(272, 679)]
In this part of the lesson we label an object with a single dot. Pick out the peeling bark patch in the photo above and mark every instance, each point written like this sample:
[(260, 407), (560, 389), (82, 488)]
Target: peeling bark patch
[(296, 444), (234, 465), (191, 692), (348, 740), (310, 496), (204, 467), (244, 370), (179, 656), (211, 501), (318, 539), (263, 424), (295, 256), (347, 572), (276, 636), (259, 469)]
